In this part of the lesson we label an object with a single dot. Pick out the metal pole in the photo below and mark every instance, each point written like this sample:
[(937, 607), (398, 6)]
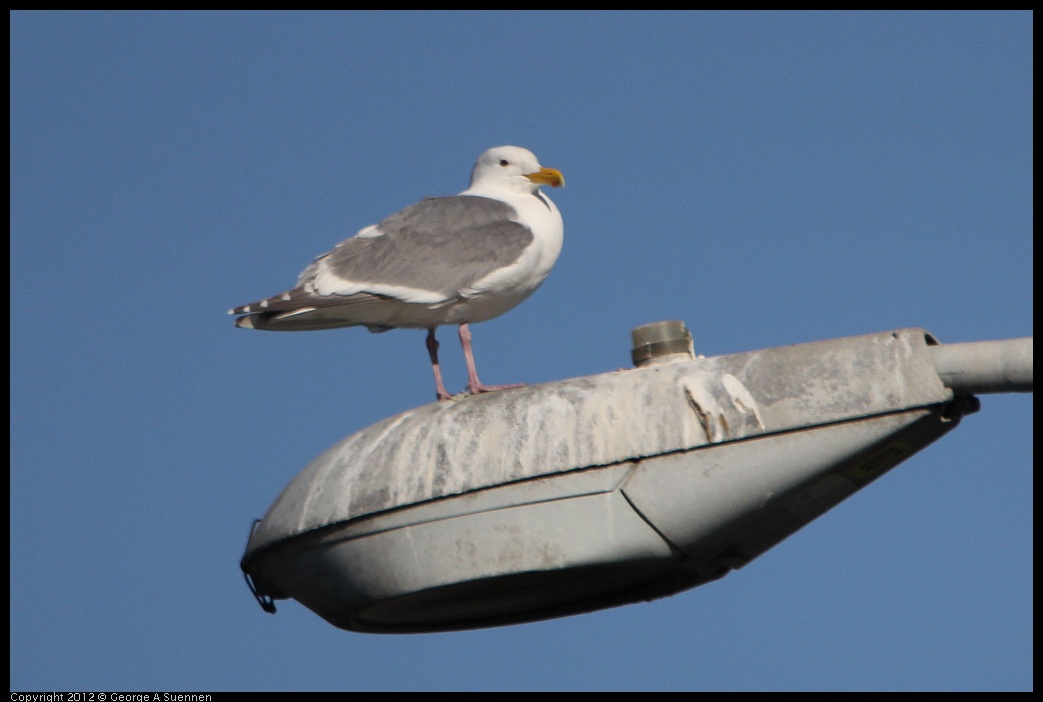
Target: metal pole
[(985, 366)]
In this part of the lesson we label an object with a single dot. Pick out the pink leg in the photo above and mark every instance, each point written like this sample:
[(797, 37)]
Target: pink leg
[(432, 351), (473, 384)]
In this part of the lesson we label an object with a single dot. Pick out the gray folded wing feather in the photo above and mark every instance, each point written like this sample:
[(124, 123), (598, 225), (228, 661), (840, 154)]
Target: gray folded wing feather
[(440, 244)]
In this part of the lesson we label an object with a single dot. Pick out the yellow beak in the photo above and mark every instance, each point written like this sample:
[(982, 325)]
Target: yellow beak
[(547, 176)]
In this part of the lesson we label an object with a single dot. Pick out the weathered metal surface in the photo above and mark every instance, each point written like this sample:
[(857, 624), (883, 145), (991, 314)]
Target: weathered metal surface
[(588, 539), (589, 493), (475, 443)]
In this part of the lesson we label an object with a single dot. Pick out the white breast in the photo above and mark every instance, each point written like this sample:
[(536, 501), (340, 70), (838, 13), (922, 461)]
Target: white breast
[(507, 287)]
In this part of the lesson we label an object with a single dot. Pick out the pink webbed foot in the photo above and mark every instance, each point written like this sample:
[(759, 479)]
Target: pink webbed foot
[(474, 385)]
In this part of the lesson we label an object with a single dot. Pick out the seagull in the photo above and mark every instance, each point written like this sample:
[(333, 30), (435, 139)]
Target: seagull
[(446, 260)]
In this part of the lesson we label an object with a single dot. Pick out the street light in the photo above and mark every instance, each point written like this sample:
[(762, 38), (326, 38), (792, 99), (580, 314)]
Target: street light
[(593, 492)]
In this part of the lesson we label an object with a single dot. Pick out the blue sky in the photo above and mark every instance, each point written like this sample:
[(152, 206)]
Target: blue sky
[(767, 178)]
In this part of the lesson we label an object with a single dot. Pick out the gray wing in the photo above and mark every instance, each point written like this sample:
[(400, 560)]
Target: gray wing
[(440, 244)]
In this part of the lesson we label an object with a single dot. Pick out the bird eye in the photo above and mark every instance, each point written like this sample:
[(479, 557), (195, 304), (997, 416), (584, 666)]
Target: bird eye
[(504, 162)]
